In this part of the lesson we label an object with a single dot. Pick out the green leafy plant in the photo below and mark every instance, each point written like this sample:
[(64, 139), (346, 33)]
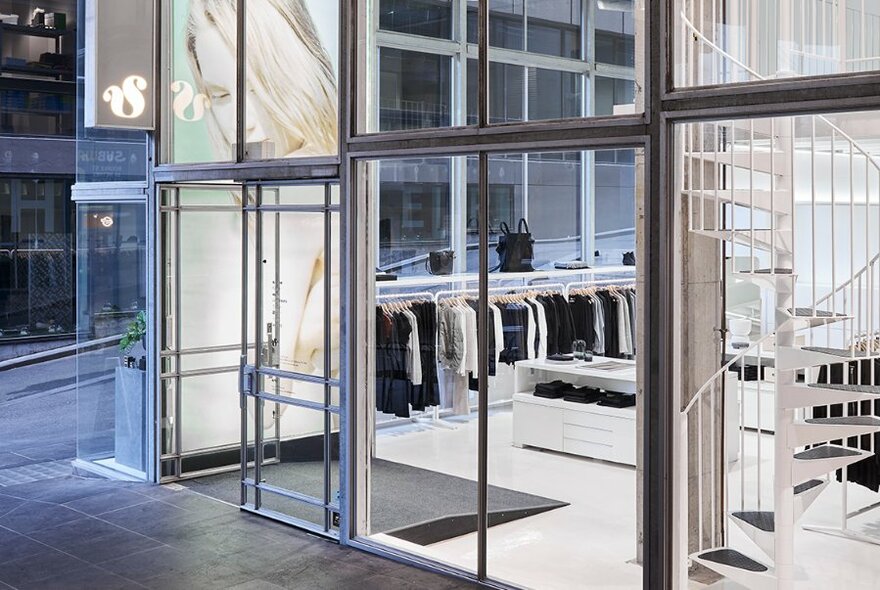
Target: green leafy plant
[(136, 332)]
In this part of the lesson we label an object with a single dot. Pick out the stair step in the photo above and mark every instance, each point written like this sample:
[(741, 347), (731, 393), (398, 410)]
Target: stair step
[(846, 421), (807, 317), (817, 394), (841, 352), (759, 160), (764, 521), (733, 558), (778, 201), (807, 486), (868, 389), (817, 430), (761, 239), (824, 459), (813, 356), (826, 452), (740, 568)]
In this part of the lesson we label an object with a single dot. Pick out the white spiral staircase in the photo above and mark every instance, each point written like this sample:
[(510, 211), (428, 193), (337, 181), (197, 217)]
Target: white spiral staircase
[(745, 183)]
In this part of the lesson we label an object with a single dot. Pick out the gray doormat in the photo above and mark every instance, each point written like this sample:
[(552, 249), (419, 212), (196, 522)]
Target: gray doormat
[(410, 503)]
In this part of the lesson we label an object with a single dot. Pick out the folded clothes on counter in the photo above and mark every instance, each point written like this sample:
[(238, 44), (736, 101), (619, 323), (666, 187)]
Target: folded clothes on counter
[(618, 400), (583, 395), (553, 390)]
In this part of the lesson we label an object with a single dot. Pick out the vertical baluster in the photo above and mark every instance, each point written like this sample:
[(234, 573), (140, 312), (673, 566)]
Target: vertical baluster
[(773, 221), (813, 252), (852, 231), (713, 432), (758, 412), (742, 433), (752, 191), (833, 229), (700, 474)]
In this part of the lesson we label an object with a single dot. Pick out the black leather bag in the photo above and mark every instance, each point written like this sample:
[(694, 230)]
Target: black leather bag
[(441, 262), (516, 251)]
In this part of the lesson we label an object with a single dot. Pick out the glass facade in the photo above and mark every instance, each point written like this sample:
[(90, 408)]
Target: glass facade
[(472, 327), (545, 62), (112, 404), (37, 259)]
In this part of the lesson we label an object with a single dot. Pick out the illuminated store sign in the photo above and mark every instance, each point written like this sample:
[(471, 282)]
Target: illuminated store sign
[(120, 66)]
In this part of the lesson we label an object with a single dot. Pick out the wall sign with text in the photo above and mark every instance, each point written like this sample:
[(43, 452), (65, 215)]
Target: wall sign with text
[(120, 64)]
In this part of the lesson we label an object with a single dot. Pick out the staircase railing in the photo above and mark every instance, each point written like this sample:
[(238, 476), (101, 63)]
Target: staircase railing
[(707, 412)]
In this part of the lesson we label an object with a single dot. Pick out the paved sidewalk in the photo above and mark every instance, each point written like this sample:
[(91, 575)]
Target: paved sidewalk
[(75, 533)]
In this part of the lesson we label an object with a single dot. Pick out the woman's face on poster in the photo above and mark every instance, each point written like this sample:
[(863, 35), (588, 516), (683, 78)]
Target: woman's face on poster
[(217, 64)]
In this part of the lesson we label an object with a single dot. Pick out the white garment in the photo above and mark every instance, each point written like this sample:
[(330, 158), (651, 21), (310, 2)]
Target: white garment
[(454, 392), (542, 329), (530, 332), (413, 350), (598, 325), (473, 347)]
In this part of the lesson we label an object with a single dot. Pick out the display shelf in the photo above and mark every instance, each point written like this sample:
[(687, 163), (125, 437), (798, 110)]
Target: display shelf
[(587, 430), (421, 281), (620, 381), (30, 31), (34, 71)]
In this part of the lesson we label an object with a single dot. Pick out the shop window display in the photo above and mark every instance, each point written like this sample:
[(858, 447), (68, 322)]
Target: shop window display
[(562, 348)]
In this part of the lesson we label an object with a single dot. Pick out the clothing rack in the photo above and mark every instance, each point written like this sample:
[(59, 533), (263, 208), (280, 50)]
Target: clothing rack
[(501, 290), (421, 417), (598, 283), (404, 296)]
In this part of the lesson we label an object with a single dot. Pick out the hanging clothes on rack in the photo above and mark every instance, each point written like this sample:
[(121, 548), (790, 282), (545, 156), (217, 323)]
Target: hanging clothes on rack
[(604, 318), (406, 357)]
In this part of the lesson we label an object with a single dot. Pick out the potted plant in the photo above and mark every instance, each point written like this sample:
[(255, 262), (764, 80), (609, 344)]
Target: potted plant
[(136, 332)]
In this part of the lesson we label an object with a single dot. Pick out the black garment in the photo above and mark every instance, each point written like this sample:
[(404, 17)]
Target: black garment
[(514, 318), (565, 330), (612, 339), (553, 390), (393, 388), (584, 319), (552, 324), (618, 400), (867, 471), (428, 393)]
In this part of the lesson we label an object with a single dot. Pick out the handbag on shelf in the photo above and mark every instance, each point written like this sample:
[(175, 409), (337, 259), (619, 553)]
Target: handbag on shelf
[(440, 263), (516, 251)]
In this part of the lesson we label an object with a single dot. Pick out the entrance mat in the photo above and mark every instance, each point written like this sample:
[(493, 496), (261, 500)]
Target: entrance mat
[(410, 503)]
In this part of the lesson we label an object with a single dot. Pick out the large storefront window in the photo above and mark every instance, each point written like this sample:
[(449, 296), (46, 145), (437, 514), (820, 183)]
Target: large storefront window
[(290, 80), (420, 67), (113, 408), (419, 479), (36, 259)]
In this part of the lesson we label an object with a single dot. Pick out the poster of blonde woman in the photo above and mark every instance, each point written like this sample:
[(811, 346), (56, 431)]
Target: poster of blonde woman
[(291, 112)]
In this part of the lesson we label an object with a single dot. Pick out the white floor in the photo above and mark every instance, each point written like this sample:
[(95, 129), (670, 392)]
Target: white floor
[(588, 544), (592, 542)]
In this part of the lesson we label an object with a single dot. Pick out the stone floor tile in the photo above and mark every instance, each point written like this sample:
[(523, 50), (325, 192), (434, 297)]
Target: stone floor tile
[(35, 516), (107, 502)]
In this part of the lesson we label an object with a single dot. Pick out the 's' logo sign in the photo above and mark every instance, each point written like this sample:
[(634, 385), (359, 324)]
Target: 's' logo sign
[(186, 99), (127, 102)]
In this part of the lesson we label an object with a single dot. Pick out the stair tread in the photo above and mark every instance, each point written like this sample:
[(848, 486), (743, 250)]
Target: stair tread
[(767, 271), (826, 452), (765, 521), (846, 421), (841, 352), (872, 389), (733, 558), (809, 312), (807, 486)]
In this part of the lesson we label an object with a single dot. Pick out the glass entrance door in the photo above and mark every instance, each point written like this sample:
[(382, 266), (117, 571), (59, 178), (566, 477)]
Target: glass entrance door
[(290, 405)]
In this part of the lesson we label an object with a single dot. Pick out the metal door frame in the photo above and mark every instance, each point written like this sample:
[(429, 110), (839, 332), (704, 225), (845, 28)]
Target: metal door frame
[(253, 374)]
